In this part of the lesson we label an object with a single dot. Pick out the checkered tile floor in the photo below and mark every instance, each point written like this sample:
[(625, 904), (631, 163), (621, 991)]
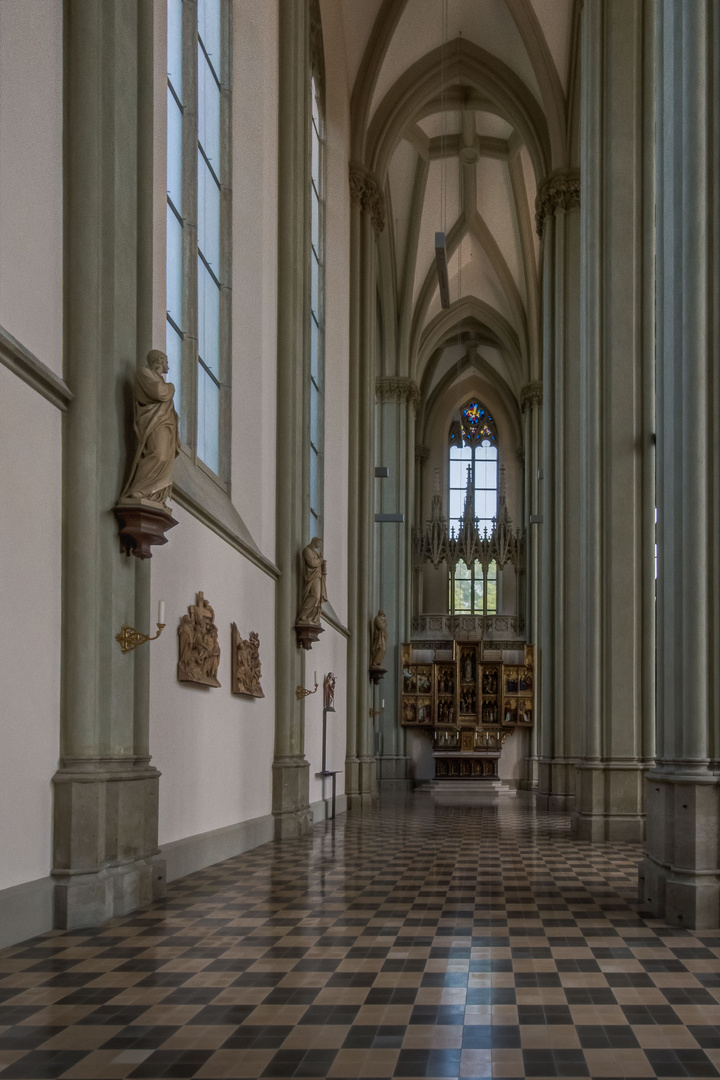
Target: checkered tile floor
[(413, 941)]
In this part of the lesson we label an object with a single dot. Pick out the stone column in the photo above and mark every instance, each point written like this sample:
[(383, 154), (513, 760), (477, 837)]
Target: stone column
[(531, 406), (397, 399), (105, 854), (680, 876), (422, 453), (558, 222), (616, 351), (367, 218), (291, 771)]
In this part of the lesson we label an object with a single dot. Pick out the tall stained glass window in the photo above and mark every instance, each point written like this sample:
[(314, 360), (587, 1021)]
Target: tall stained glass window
[(317, 304), (198, 260), (174, 213), (473, 459)]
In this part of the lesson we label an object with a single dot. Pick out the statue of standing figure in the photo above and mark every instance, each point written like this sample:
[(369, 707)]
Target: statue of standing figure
[(156, 427), (379, 640), (314, 589)]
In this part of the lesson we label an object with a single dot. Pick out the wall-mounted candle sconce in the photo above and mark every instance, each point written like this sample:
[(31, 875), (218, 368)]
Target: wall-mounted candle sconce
[(301, 692), (129, 638)]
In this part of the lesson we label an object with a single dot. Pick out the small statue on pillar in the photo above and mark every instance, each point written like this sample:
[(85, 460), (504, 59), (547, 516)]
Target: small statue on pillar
[(141, 510), (329, 692), (378, 647), (307, 624)]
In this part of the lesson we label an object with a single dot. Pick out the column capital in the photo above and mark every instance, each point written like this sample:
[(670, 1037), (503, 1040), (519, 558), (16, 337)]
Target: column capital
[(422, 453), (365, 190), (531, 396), (558, 191), (397, 388)]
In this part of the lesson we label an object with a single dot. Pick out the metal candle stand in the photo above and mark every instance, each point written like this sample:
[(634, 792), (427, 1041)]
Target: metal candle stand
[(325, 771)]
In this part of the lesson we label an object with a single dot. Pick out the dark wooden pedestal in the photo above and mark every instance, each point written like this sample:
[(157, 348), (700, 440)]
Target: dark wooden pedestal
[(142, 528)]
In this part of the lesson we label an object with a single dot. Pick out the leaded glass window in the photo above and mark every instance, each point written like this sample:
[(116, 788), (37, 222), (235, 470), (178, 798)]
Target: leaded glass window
[(473, 459), (317, 306), (198, 260)]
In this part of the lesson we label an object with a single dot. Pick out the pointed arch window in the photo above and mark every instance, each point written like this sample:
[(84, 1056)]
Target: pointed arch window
[(473, 465), (316, 382), (199, 33)]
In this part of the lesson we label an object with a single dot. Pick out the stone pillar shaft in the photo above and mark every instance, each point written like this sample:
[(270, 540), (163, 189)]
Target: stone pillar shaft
[(105, 802), (361, 780), (397, 399), (291, 772), (680, 876), (559, 216), (616, 344)]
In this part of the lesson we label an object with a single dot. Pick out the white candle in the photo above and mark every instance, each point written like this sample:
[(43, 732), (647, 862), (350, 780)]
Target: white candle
[(161, 612), (382, 703)]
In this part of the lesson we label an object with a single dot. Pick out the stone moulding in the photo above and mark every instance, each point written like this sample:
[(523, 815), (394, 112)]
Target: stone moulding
[(558, 191), (366, 191), (397, 388)]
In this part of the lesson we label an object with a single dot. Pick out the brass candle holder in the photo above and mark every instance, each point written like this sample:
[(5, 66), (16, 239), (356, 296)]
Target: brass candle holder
[(129, 638), (301, 692)]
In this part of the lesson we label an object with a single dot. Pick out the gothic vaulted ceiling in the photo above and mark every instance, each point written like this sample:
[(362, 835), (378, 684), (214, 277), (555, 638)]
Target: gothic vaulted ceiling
[(460, 109)]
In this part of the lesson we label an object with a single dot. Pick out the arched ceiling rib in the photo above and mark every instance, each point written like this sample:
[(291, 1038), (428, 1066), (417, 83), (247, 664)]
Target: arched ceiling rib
[(460, 133)]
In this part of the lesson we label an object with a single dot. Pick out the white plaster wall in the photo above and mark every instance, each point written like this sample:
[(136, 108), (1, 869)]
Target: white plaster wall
[(254, 284), (214, 749), (31, 197), (30, 526)]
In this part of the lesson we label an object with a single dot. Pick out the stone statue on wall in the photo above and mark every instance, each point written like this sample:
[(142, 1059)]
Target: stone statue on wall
[(314, 589), (156, 428), (246, 666), (379, 640), (198, 645)]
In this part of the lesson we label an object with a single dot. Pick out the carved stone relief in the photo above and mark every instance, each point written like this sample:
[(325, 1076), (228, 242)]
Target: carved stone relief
[(365, 190), (246, 666), (198, 646)]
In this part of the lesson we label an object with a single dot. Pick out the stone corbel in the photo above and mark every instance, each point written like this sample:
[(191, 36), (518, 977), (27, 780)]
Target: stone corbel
[(558, 191), (397, 388), (531, 396), (366, 191)]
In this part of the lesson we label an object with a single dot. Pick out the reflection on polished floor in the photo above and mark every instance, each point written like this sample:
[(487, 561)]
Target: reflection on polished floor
[(415, 940)]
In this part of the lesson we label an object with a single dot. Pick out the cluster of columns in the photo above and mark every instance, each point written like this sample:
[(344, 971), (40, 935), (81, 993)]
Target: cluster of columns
[(597, 623), (367, 219), (105, 854), (680, 875), (397, 400)]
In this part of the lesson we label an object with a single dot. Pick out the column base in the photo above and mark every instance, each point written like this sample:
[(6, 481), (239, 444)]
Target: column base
[(532, 776), (394, 773), (105, 827), (361, 783), (609, 801), (91, 899), (291, 798), (679, 878), (556, 784)]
